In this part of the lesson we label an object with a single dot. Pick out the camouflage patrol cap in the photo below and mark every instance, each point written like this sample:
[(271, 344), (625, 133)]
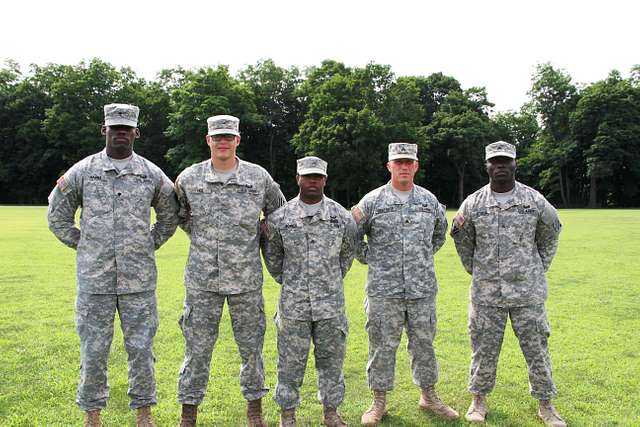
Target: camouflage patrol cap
[(312, 165), (121, 114), (499, 148), (403, 150), (223, 125)]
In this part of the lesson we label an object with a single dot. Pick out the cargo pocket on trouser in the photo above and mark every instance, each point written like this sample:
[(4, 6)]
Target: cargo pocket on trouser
[(185, 319), (543, 326)]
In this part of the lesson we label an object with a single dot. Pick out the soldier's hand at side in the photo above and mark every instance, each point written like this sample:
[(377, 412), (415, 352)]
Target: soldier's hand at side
[(458, 222), (357, 214), (264, 228)]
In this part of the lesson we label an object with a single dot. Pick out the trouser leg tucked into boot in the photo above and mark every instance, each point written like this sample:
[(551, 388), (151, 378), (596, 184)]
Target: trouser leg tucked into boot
[(430, 402), (478, 409), (189, 415), (288, 418), (331, 418), (143, 417), (254, 413), (549, 415), (377, 410), (92, 418)]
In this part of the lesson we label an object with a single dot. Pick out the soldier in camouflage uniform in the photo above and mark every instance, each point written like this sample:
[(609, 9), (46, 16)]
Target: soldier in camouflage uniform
[(506, 235), (405, 226), (308, 249), (116, 268), (221, 200)]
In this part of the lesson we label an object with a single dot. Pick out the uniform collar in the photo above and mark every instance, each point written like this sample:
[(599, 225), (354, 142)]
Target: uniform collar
[(135, 166), (239, 175), (514, 200), (322, 214), (396, 199)]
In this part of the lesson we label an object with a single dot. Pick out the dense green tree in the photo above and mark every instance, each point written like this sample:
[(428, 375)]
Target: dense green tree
[(196, 95), (29, 162), (606, 126), (78, 95), (280, 111), (553, 98), (352, 116), (521, 129), (456, 136)]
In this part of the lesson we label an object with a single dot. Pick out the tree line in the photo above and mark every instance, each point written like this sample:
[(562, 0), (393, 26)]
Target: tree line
[(577, 144)]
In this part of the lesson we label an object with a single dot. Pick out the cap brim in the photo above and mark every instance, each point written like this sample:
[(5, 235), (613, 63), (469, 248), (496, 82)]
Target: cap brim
[(120, 122), (500, 154), (224, 132), (402, 156), (312, 171)]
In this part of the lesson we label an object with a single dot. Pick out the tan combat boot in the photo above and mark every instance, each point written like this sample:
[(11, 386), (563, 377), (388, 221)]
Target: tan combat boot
[(92, 418), (189, 416), (331, 418), (143, 417), (430, 402), (288, 418), (254, 413), (549, 415), (478, 409), (376, 411)]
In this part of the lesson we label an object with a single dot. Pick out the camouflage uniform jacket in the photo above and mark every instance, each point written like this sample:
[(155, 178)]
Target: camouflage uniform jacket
[(309, 257), (115, 242), (222, 221), (401, 241), (507, 248)]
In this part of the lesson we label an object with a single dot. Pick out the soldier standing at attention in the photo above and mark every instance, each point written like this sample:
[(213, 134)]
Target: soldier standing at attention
[(308, 249), (405, 226), (116, 268), (221, 200), (506, 235)]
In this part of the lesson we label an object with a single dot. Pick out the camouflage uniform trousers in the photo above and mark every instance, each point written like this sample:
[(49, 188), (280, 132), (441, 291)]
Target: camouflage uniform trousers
[(199, 323), (329, 346), (386, 318), (94, 322), (486, 330)]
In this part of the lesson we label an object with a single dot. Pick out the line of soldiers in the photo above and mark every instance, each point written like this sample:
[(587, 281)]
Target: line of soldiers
[(506, 235)]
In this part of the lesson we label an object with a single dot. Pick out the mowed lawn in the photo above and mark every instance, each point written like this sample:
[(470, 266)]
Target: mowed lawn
[(594, 310)]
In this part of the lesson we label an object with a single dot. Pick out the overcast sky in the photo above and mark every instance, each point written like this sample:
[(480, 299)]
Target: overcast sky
[(495, 44)]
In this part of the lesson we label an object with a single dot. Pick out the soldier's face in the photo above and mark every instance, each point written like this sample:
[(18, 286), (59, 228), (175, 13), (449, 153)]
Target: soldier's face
[(223, 147), (402, 170), (501, 169), (119, 139), (311, 186)]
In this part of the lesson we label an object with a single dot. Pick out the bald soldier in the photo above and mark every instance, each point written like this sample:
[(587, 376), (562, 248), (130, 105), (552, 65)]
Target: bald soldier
[(308, 249), (116, 269), (221, 200), (405, 226), (506, 235)]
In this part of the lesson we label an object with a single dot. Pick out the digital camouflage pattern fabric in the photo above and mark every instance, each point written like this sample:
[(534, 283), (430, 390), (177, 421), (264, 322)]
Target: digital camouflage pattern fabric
[(507, 248), (115, 242), (222, 220), (486, 331), (309, 256), (386, 318), (199, 323), (138, 316), (402, 239), (115, 265)]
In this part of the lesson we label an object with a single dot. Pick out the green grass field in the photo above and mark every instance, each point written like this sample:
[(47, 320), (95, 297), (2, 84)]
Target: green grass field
[(594, 309)]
